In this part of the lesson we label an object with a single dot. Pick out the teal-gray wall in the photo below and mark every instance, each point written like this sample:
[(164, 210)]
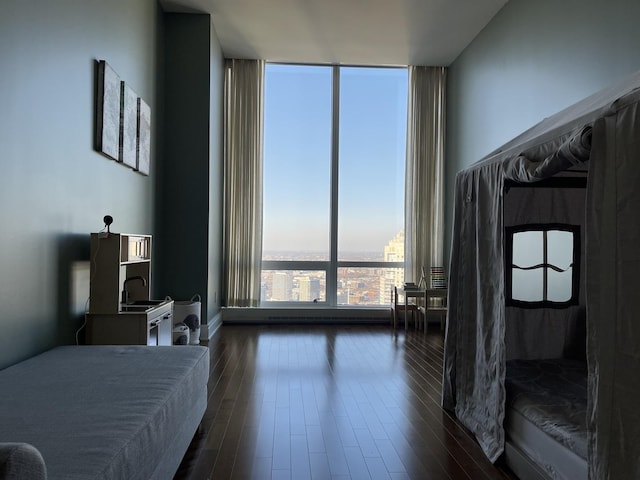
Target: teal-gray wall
[(533, 59), (189, 202), (216, 162), (55, 188)]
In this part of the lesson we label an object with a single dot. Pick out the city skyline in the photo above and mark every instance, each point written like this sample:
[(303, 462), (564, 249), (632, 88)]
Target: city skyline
[(365, 286)]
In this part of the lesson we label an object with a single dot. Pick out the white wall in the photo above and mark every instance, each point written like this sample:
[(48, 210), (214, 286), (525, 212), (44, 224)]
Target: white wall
[(533, 59)]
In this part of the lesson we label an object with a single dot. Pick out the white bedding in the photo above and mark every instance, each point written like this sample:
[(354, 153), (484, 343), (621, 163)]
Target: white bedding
[(105, 412)]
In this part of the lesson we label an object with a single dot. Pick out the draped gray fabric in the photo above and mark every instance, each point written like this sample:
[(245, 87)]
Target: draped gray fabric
[(424, 182), (481, 331), (547, 333), (242, 222), (574, 151), (474, 343), (613, 311)]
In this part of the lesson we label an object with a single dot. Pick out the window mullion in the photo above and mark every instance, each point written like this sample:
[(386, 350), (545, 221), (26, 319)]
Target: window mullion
[(332, 273), (545, 268)]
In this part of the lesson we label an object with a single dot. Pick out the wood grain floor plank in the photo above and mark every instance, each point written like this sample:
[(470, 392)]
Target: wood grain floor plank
[(330, 402)]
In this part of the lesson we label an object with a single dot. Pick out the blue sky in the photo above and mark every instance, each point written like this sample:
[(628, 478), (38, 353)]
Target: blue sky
[(298, 149)]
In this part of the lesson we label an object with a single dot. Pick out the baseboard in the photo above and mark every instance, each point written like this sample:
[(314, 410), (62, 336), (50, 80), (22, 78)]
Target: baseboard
[(207, 330)]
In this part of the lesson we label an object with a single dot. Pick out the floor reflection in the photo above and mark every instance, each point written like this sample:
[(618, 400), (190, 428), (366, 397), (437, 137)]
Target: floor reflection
[(330, 402)]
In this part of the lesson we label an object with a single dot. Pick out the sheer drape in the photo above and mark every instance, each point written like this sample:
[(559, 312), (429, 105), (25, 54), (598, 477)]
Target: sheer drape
[(244, 92), (424, 183)]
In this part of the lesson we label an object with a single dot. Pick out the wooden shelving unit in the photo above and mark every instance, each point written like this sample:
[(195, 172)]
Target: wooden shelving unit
[(120, 277), (114, 258)]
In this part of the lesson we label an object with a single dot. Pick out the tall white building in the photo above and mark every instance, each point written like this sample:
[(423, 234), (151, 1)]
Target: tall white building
[(314, 289), (281, 287), (393, 252), (304, 289)]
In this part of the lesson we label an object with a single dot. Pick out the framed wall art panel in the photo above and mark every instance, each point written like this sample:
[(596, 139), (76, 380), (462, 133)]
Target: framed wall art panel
[(144, 137), (129, 126), (107, 139)]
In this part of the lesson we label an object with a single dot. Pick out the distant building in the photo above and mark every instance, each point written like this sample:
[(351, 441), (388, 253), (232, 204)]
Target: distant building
[(314, 289), (281, 287), (304, 289), (393, 252), (343, 297)]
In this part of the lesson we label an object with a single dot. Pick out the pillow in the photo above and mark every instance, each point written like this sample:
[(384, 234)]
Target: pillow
[(21, 461)]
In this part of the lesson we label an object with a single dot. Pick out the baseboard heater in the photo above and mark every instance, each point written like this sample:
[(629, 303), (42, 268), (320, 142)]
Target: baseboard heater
[(301, 315)]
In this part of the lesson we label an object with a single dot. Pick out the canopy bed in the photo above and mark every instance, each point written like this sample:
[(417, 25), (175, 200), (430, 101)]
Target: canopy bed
[(542, 348)]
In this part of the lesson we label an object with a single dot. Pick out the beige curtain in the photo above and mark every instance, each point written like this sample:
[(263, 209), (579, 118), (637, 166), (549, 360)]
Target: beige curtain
[(242, 230), (424, 182)]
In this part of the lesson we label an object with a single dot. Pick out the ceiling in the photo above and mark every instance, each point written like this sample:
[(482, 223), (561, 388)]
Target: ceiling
[(352, 32)]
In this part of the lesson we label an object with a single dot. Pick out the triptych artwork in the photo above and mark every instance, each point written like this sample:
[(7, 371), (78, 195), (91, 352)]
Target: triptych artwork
[(123, 121)]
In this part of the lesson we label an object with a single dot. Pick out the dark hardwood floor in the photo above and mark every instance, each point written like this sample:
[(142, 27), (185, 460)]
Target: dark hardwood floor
[(329, 402)]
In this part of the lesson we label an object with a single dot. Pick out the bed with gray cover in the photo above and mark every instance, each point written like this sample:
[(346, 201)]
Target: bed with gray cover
[(546, 413), (101, 412)]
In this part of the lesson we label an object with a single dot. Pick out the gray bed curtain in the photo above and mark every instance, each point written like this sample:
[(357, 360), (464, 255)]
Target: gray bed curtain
[(475, 346), (613, 285)]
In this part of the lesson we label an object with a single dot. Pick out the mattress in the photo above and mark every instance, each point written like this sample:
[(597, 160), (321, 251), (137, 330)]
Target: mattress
[(552, 395), (104, 412)]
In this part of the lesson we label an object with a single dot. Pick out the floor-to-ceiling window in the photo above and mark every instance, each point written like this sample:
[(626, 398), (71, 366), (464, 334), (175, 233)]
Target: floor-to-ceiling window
[(334, 156)]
